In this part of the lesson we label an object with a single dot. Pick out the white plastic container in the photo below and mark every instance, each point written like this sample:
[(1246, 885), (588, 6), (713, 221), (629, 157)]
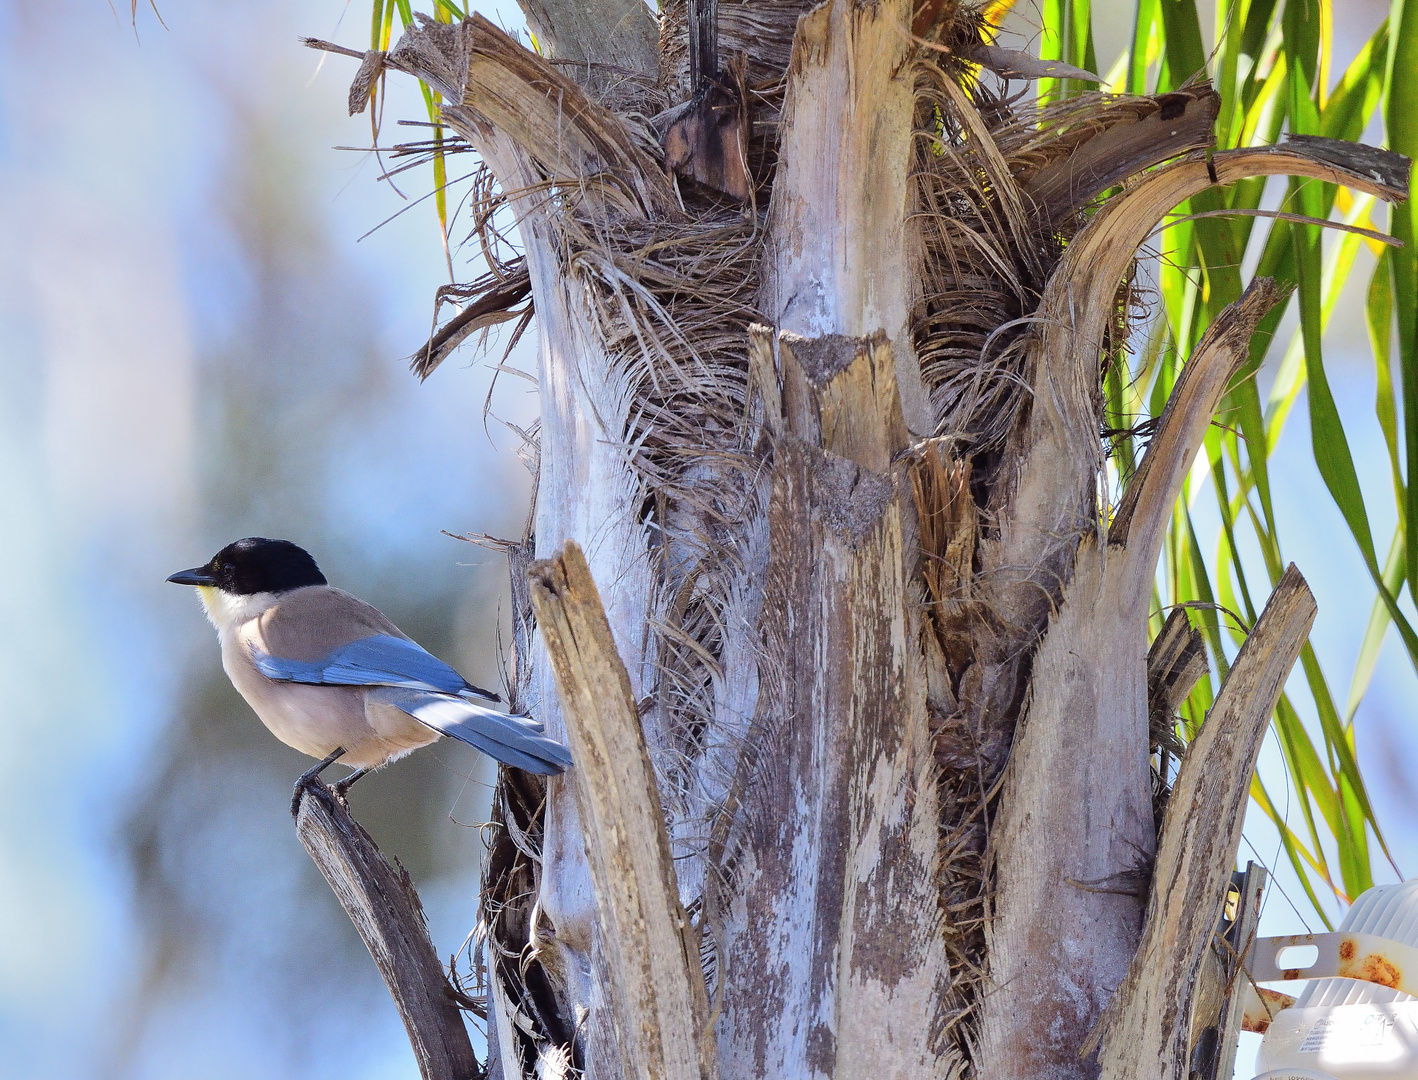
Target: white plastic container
[(1344, 1029)]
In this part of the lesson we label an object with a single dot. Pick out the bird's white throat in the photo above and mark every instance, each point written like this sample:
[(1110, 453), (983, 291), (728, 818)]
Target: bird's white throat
[(226, 611)]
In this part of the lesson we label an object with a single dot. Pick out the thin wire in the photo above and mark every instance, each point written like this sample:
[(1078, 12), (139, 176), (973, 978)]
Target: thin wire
[(1278, 887), (1280, 842)]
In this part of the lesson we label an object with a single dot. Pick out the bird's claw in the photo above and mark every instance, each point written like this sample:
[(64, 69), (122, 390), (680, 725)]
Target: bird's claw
[(310, 781), (340, 789), (301, 787)]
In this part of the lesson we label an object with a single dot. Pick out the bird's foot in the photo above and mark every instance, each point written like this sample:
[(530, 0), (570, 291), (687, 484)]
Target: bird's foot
[(308, 779), (341, 787)]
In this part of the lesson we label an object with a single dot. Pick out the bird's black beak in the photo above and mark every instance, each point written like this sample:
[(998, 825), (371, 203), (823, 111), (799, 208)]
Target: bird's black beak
[(198, 575)]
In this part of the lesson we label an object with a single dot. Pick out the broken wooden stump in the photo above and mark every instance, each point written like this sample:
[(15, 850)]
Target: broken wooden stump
[(707, 136), (707, 140), (659, 1002), (1145, 1030), (384, 906)]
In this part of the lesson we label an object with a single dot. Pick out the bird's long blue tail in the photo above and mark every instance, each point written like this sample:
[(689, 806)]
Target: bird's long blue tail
[(512, 740)]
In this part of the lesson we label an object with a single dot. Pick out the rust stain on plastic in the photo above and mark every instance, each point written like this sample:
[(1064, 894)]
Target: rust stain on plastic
[(1258, 1015), (1367, 957), (1372, 968)]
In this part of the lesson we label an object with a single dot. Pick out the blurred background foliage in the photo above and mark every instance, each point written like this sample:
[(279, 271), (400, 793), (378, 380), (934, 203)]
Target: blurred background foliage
[(194, 347)]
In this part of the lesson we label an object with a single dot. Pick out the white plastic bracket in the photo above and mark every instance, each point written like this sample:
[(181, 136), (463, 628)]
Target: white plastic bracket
[(1366, 957)]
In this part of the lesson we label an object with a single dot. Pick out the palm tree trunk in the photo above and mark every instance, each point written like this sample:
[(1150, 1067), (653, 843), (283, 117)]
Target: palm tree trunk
[(861, 689)]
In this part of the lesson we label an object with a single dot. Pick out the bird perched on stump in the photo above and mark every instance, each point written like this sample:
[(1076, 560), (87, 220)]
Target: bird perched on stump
[(332, 677)]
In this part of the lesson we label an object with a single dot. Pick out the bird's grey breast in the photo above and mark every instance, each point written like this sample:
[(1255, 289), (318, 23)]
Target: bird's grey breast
[(313, 719)]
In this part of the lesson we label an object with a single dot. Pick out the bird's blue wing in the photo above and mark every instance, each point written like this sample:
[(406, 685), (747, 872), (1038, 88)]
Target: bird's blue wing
[(381, 660), (431, 692), (512, 740)]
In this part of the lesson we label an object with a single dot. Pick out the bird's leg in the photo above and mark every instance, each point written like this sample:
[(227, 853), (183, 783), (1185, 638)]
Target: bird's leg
[(340, 788), (304, 780)]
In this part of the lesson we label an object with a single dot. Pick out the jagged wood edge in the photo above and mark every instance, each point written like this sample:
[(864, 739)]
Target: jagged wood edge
[(1144, 1030), (1146, 508), (659, 1001)]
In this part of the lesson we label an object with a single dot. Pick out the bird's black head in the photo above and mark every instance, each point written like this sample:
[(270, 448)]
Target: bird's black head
[(255, 565)]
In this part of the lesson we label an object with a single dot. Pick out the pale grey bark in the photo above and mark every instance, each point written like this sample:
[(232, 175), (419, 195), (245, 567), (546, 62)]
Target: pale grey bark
[(838, 257), (892, 634), (835, 961), (839, 842), (619, 35)]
